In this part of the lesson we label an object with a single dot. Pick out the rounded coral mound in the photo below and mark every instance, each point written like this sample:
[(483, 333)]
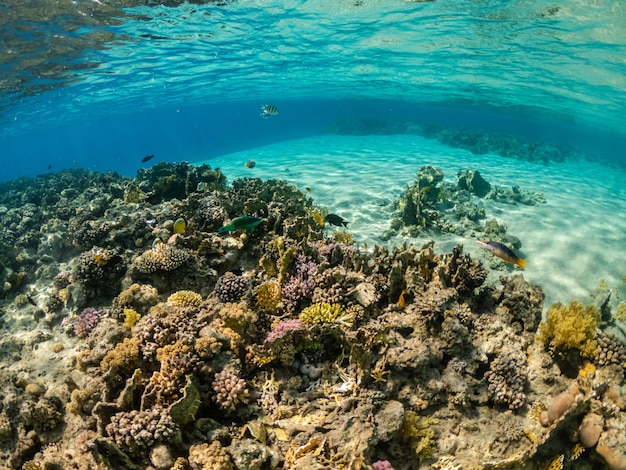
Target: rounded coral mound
[(231, 288), (185, 298)]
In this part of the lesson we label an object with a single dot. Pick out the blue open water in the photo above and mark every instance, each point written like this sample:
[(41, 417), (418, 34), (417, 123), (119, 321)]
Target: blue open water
[(186, 82)]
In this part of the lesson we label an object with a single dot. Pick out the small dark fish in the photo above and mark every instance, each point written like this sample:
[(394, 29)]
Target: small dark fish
[(49, 167), (268, 110), (250, 164), (502, 251), (147, 158), (334, 219), (31, 301), (247, 223)]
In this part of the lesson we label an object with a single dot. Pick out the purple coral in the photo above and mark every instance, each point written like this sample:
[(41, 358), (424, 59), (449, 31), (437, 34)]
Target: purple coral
[(284, 327), (86, 321), (382, 465), (300, 284)]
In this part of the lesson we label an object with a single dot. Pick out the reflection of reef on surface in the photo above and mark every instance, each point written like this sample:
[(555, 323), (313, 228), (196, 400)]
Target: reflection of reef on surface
[(280, 347), (70, 31)]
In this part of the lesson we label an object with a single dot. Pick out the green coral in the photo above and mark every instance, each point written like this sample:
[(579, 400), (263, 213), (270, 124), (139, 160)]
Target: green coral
[(572, 326), (325, 314), (418, 432)]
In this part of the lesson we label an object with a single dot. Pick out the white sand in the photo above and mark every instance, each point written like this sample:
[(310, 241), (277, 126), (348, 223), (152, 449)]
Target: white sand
[(570, 243)]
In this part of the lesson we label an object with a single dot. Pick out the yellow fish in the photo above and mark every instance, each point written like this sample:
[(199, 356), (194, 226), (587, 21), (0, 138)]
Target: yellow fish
[(180, 226), (401, 300), (318, 218)]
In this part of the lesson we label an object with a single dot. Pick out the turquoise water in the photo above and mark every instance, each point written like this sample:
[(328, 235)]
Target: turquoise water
[(99, 87)]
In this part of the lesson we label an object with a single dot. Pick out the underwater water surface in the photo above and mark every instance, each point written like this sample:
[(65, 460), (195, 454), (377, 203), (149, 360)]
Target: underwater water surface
[(351, 319)]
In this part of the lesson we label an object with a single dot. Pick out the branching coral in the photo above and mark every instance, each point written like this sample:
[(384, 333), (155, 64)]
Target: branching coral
[(324, 314), (124, 357), (571, 327), (300, 284), (285, 327), (131, 317), (162, 257), (268, 295), (231, 288), (209, 457), (229, 389), (87, 321), (419, 434), (185, 298), (137, 431)]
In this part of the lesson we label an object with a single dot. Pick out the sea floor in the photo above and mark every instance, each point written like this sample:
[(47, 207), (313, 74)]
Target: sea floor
[(570, 243)]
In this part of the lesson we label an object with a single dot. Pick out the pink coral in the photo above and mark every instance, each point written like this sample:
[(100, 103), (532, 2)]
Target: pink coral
[(87, 321), (229, 390), (382, 465), (284, 327), (300, 284)]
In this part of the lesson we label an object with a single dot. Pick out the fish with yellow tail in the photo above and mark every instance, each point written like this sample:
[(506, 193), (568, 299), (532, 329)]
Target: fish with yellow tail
[(503, 252)]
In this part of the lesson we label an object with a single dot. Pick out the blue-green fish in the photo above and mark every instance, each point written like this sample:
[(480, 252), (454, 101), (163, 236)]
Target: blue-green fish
[(246, 222)]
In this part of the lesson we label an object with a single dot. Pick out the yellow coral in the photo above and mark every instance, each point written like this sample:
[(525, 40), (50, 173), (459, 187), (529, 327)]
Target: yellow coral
[(268, 295), (577, 451), (419, 434), (343, 237), (124, 356), (324, 314), (555, 464), (185, 298), (571, 326), (131, 317), (621, 312)]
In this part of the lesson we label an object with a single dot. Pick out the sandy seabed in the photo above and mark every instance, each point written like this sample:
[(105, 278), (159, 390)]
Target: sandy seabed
[(570, 243)]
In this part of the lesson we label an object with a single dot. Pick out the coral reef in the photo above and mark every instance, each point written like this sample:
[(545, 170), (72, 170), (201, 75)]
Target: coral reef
[(284, 348)]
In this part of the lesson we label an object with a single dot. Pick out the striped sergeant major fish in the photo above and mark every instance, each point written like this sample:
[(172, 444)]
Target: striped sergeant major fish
[(268, 110)]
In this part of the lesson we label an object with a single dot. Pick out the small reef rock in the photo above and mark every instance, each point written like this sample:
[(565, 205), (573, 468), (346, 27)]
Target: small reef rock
[(128, 343), (430, 206)]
